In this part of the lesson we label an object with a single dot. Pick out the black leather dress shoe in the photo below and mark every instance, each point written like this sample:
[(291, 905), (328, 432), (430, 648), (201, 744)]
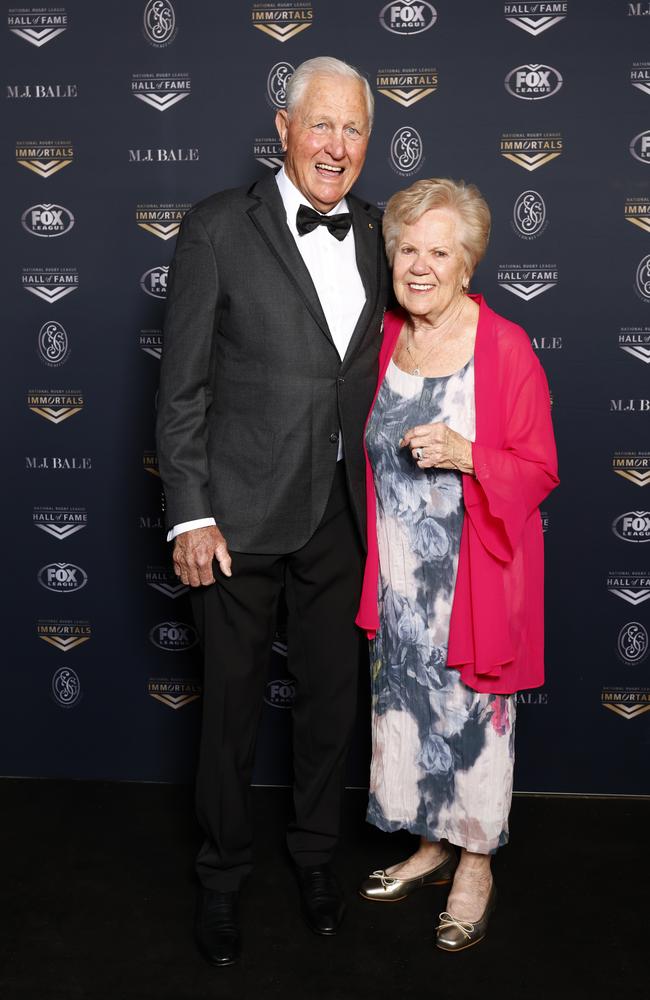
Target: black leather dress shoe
[(322, 900), (216, 927)]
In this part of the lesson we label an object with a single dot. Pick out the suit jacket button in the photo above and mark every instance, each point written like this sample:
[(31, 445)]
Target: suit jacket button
[(334, 438)]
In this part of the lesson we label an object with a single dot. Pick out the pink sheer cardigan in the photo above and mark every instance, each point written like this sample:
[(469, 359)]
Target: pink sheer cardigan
[(496, 635)]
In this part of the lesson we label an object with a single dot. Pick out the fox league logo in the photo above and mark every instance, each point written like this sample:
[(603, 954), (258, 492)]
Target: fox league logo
[(154, 282), (410, 17), (47, 220), (533, 82), (62, 578)]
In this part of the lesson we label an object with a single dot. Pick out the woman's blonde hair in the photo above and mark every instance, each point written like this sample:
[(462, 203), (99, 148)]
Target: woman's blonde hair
[(407, 206)]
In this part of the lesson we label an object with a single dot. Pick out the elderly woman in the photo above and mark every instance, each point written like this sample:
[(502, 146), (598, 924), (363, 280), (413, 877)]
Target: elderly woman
[(461, 453)]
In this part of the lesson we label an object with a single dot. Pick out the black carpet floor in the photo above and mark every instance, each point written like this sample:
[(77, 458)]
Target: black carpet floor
[(98, 897)]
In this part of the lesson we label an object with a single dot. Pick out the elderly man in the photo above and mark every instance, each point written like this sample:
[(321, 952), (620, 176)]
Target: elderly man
[(274, 310)]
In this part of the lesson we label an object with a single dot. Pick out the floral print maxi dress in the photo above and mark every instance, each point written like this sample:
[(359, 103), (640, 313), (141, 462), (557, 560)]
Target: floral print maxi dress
[(443, 754)]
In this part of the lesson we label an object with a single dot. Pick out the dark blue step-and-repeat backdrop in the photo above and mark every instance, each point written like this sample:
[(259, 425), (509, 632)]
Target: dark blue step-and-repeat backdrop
[(118, 117)]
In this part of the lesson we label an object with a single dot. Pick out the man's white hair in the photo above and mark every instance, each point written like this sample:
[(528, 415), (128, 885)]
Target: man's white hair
[(325, 66)]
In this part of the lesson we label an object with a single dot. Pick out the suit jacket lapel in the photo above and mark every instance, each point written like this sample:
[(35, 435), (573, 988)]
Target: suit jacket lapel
[(268, 216), (367, 248)]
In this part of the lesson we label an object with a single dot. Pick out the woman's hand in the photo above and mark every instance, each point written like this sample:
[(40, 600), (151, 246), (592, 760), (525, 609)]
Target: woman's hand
[(436, 446)]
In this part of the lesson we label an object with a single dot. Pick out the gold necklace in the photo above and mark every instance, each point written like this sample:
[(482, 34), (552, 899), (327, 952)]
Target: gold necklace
[(418, 364)]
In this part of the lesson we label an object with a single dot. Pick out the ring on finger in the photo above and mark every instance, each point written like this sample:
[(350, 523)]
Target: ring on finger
[(419, 454)]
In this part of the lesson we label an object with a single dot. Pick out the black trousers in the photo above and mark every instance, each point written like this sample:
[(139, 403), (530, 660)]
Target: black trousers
[(236, 617)]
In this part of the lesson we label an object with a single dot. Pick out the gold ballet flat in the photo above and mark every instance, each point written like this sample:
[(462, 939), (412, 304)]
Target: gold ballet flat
[(383, 888), (453, 934)]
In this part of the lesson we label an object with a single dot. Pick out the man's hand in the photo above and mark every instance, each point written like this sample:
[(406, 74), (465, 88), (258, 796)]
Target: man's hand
[(194, 552)]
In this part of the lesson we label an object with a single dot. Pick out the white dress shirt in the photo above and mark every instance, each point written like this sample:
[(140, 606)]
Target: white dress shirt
[(332, 265)]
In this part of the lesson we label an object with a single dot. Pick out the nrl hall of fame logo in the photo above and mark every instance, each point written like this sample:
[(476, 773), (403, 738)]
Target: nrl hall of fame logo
[(635, 340), (632, 587), (60, 522), (44, 158), (640, 76), (637, 211), (269, 152), (62, 578), (633, 466), (283, 19), (154, 282), (55, 405), (66, 687), (535, 18), (276, 84), (632, 643), (161, 90), (628, 702), (527, 281), (531, 150), (408, 17), (173, 637), (50, 283), (47, 220), (37, 25), (151, 342), (529, 216), (406, 151), (164, 580), (63, 634), (640, 147), (642, 279), (174, 692), (162, 221), (533, 82), (53, 344), (406, 86), (150, 463), (632, 526), (159, 23)]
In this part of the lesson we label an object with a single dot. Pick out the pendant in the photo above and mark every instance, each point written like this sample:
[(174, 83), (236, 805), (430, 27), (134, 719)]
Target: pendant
[(416, 371)]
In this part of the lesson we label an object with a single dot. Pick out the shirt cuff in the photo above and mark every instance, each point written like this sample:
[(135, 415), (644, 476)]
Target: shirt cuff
[(178, 529)]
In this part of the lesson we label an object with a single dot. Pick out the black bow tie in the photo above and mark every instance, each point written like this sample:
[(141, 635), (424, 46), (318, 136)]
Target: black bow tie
[(307, 220)]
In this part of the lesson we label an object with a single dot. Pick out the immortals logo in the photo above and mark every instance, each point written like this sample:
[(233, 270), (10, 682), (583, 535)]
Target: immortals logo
[(635, 340), (642, 281), (276, 84), (529, 218), (162, 579), (53, 344), (633, 526), (37, 25), (60, 522), (637, 211), (408, 17), (527, 281), (283, 19), (533, 82), (161, 90), (269, 152), (62, 578), (535, 18), (180, 154), (150, 463), (47, 220), (154, 282), (174, 692), (50, 283), (407, 86), (531, 150), (406, 151), (173, 637), (55, 405), (632, 644), (159, 23), (640, 147), (640, 76), (41, 91), (162, 221), (63, 634), (151, 342), (633, 466), (628, 702), (66, 687), (280, 693), (633, 587), (44, 158)]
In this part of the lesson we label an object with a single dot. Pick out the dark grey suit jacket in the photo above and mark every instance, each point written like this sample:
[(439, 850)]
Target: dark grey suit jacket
[(252, 390)]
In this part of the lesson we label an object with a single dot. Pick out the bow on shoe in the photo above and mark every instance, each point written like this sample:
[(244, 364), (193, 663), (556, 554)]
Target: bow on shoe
[(307, 219), (447, 921), (385, 879)]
